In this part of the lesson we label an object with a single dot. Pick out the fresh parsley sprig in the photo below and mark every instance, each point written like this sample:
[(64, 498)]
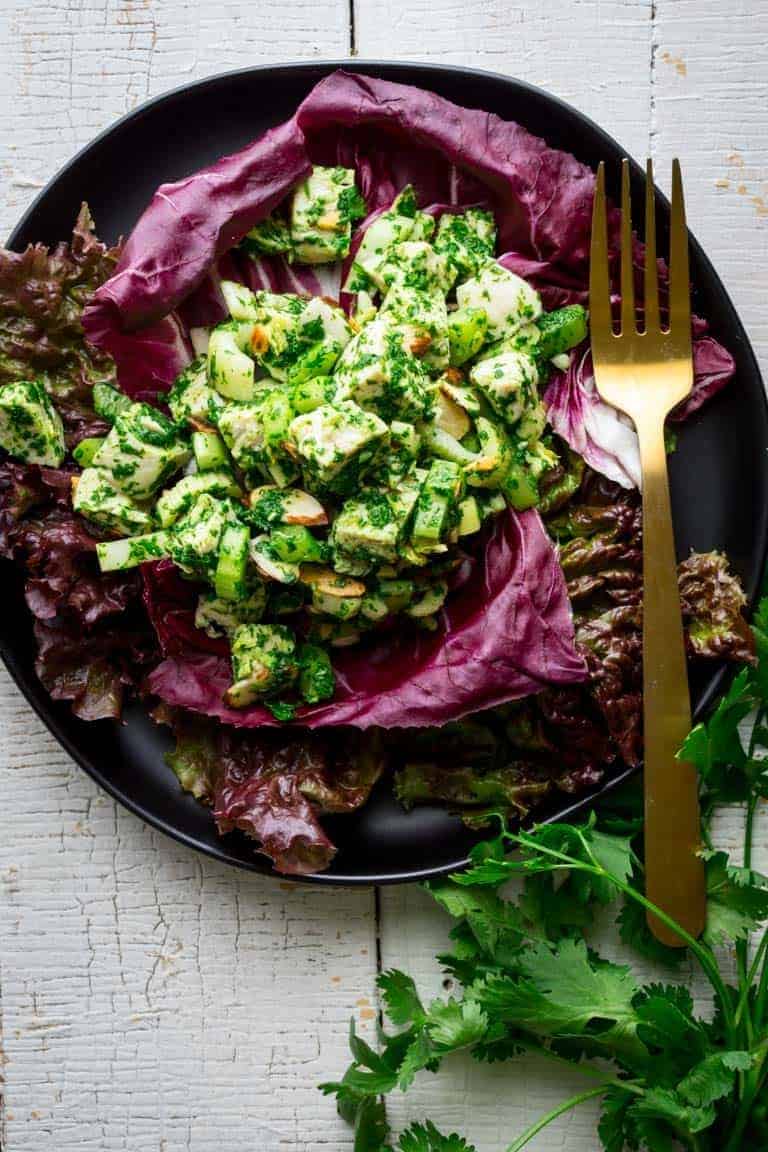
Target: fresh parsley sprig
[(667, 1077)]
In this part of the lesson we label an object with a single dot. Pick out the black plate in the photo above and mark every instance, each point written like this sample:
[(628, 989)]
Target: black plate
[(719, 476)]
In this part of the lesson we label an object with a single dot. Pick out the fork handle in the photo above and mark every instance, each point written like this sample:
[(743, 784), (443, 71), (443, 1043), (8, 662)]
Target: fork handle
[(674, 873)]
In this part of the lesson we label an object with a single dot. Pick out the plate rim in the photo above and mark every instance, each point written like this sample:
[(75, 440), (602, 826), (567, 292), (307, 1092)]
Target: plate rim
[(48, 710)]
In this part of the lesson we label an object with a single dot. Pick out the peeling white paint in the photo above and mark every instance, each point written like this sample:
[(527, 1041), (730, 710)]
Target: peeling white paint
[(152, 999)]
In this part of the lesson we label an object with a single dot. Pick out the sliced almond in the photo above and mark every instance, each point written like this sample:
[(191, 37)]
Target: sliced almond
[(329, 221), (259, 340), (330, 583), (451, 417), (301, 508), (485, 464), (420, 343), (271, 569)]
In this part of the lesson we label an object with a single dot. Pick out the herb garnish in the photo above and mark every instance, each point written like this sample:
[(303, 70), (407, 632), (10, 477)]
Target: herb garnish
[(667, 1077)]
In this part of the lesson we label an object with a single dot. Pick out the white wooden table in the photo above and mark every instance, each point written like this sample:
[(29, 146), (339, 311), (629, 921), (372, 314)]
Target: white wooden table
[(154, 1000)]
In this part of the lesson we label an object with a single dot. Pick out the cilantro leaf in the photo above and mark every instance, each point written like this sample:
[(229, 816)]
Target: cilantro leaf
[(426, 1138), (715, 747), (371, 1127), (737, 900), (611, 1129), (401, 999), (495, 924), (635, 933), (419, 1054), (662, 1104), (713, 1078), (561, 992), (453, 1024)]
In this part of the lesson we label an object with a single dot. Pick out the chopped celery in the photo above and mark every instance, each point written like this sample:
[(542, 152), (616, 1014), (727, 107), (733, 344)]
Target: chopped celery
[(85, 451), (230, 579)]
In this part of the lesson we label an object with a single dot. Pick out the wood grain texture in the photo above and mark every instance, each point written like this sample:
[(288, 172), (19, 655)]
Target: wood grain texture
[(155, 1000)]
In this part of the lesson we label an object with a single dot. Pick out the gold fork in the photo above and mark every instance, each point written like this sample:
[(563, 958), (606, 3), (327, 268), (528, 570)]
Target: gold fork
[(645, 374)]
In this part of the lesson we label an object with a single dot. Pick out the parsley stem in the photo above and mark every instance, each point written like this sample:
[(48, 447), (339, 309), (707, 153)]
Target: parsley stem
[(748, 980), (566, 1106), (761, 996), (588, 1069)]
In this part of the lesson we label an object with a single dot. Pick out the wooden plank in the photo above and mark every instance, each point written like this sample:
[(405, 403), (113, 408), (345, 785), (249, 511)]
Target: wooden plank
[(71, 69), (152, 999), (593, 53)]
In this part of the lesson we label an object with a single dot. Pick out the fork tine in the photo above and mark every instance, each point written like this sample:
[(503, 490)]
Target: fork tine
[(679, 279), (628, 322), (599, 278), (652, 321)]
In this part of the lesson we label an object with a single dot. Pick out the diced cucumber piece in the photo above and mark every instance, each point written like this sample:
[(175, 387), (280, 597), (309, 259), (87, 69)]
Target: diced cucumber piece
[(295, 544), (177, 501), (85, 451), (95, 497), (108, 402), (381, 236), (561, 330), (316, 678), (520, 486), (210, 451), (528, 464), (490, 466), (230, 579), (318, 360), (446, 447), (30, 427), (240, 301), (310, 394), (373, 607), (470, 520), (436, 506), (119, 555), (230, 370), (467, 330), (276, 416)]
